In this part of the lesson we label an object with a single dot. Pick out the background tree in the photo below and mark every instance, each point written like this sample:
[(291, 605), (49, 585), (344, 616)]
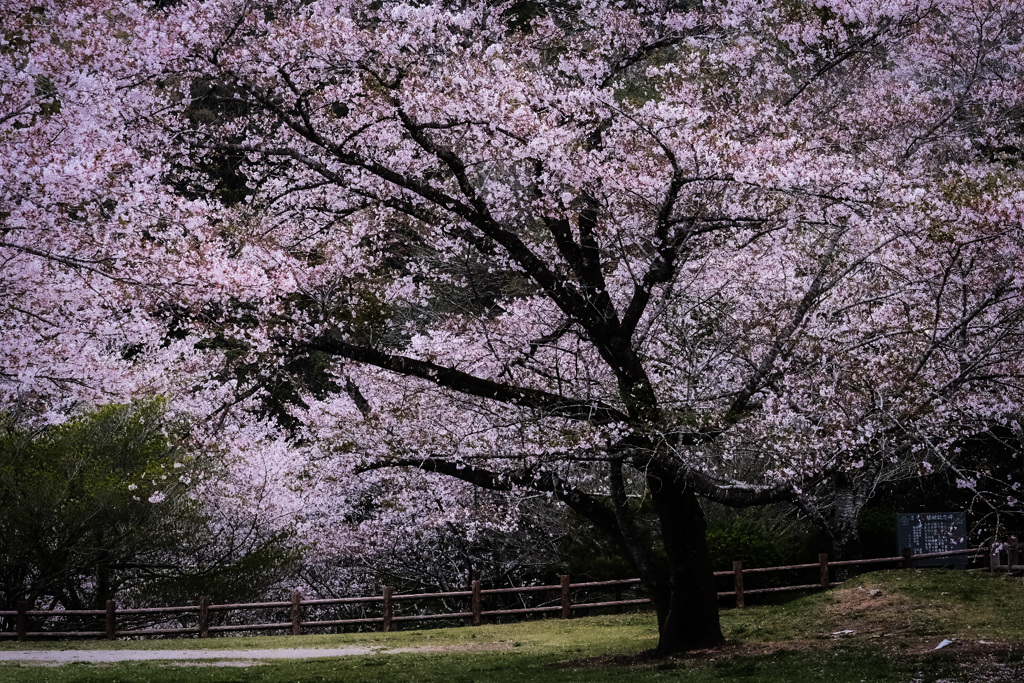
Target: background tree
[(79, 207), (387, 538), (107, 506), (100, 254)]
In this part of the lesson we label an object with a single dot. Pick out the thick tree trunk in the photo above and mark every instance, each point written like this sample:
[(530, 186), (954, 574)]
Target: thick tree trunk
[(844, 542), (844, 536), (838, 517), (688, 609), (843, 529)]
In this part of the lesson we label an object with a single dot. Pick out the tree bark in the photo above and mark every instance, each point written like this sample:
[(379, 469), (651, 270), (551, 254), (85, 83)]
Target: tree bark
[(838, 518), (844, 543), (843, 530), (688, 614)]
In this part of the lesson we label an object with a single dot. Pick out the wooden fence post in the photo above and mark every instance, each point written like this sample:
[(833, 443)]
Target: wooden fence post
[(823, 561), (566, 597), (907, 561), (737, 582), (1013, 554), (296, 613), (478, 604), (22, 619), (204, 616), (111, 619), (389, 609)]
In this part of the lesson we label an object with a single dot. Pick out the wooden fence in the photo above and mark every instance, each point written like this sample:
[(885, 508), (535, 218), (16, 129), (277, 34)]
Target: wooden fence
[(561, 599), (1010, 550)]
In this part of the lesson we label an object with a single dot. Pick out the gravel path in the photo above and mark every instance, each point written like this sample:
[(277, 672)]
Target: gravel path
[(225, 657)]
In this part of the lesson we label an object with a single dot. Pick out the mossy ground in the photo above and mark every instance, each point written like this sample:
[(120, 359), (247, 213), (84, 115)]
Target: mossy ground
[(882, 626)]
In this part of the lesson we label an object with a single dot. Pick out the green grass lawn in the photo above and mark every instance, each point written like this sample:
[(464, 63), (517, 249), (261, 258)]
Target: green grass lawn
[(882, 626)]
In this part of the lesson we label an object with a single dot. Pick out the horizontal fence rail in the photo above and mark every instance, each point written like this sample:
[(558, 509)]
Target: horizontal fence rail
[(561, 601), (824, 565)]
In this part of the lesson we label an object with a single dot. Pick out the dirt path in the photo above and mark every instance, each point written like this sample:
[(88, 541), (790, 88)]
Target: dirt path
[(219, 657), (216, 657)]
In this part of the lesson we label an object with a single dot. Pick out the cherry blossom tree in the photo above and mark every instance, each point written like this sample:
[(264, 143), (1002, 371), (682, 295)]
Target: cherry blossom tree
[(99, 254), (627, 254), (74, 202), (97, 249), (624, 254)]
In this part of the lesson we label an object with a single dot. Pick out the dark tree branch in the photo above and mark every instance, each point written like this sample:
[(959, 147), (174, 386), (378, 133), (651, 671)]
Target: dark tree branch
[(590, 507), (595, 412)]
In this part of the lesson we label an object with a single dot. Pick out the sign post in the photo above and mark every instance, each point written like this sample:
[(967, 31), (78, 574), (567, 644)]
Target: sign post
[(934, 532)]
